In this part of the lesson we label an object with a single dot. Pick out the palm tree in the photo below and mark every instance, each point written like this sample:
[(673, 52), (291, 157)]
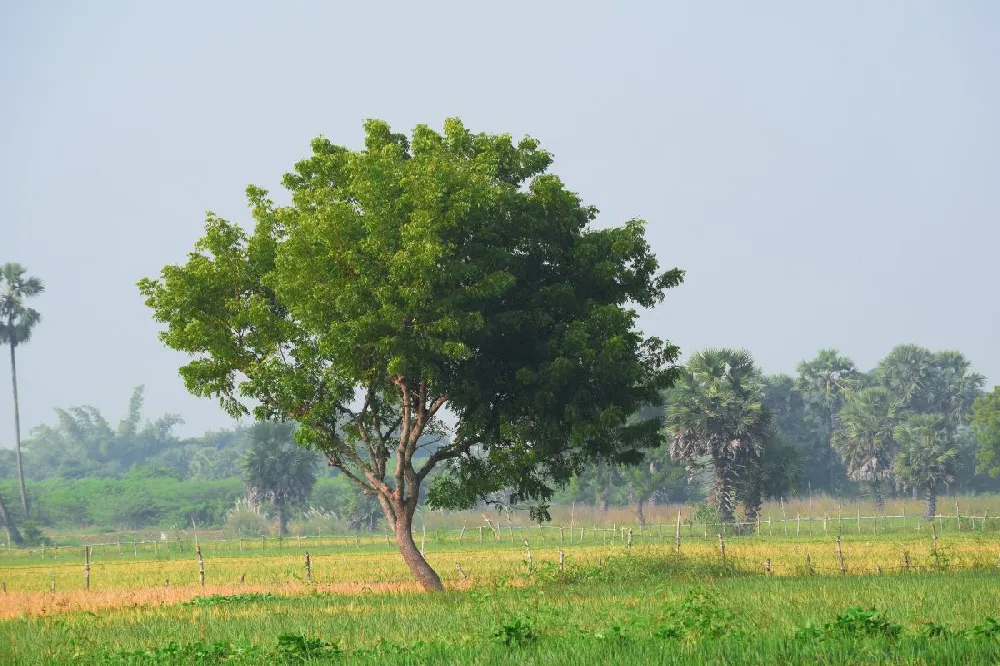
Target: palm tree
[(716, 416), (927, 455), (864, 437), (276, 470), (823, 382), (16, 324), (908, 372)]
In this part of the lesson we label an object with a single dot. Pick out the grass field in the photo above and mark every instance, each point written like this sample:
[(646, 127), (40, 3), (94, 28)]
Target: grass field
[(933, 600)]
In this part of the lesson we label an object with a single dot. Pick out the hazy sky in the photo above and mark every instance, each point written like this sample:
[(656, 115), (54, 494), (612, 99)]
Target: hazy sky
[(828, 174)]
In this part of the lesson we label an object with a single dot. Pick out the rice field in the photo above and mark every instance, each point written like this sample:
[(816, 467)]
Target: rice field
[(893, 592)]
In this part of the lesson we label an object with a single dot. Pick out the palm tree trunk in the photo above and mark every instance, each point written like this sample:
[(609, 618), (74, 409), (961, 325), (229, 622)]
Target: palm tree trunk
[(15, 536), (877, 496), (402, 528), (930, 506), (17, 424), (282, 520), (723, 494)]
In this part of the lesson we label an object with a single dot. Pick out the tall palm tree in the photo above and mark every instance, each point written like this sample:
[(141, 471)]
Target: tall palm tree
[(716, 416), (865, 438), (16, 324), (276, 470), (927, 455), (823, 382)]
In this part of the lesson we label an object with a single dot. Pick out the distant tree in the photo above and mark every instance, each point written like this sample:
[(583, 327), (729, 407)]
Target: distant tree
[(908, 372), (865, 437), (955, 386), (658, 477), (823, 383), (84, 443), (778, 473), (927, 455), (925, 382), (16, 324), (276, 470), (986, 428), (716, 416), (450, 270), (795, 427)]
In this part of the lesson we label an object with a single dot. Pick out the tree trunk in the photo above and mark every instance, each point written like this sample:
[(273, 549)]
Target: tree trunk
[(930, 507), (877, 496), (402, 529), (752, 506), (17, 423), (15, 536), (282, 520), (639, 515), (723, 495)]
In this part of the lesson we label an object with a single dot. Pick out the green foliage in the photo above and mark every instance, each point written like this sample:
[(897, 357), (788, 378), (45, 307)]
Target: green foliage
[(927, 452), (699, 616), (865, 436), (276, 470), (443, 268), (515, 633), (986, 426), (230, 599), (84, 444), (854, 621), (133, 501), (299, 648), (822, 385)]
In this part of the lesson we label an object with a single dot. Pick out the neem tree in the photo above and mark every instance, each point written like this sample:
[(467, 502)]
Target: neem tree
[(446, 272)]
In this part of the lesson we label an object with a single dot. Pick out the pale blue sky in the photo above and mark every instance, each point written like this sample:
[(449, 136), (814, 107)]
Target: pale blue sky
[(827, 173)]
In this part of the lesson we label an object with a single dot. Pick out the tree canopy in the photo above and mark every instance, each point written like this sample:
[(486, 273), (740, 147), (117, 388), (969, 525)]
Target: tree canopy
[(441, 269)]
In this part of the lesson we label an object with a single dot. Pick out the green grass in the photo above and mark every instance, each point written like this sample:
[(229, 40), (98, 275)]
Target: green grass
[(637, 609)]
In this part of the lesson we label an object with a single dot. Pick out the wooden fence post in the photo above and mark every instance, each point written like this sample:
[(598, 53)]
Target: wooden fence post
[(309, 570), (86, 567), (562, 560), (840, 556), (677, 534), (906, 561), (722, 546), (458, 567), (527, 554), (630, 540), (767, 566), (201, 566)]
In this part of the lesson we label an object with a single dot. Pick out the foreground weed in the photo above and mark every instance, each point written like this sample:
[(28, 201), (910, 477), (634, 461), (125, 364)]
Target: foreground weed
[(224, 599), (295, 648), (700, 615), (515, 633)]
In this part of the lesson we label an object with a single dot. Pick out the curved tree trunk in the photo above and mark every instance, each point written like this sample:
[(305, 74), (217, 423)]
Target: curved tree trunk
[(930, 505), (402, 529), (17, 424), (640, 516), (15, 536)]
